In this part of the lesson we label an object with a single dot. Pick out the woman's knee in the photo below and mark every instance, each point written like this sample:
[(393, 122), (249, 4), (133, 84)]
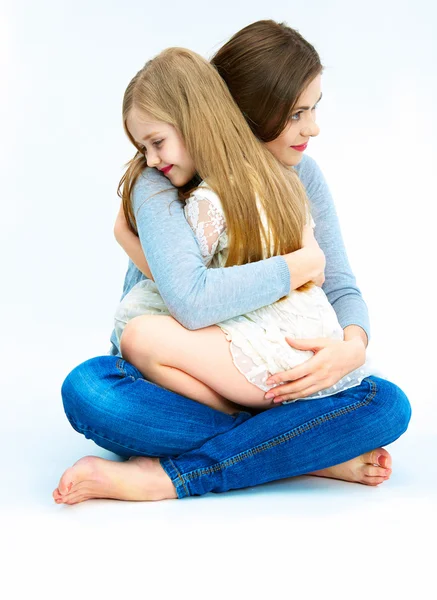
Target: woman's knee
[(396, 406), (84, 387)]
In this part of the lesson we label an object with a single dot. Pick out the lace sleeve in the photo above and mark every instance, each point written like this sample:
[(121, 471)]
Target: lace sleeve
[(208, 223)]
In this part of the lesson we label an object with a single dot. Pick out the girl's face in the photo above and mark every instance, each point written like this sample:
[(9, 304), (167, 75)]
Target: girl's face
[(163, 147), (289, 146)]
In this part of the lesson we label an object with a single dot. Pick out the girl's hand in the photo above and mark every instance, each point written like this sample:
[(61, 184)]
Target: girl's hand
[(332, 360), (307, 263), (309, 242), (308, 237)]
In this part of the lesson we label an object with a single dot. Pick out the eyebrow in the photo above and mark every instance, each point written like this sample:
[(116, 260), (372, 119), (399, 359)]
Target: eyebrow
[(307, 107), (146, 137)]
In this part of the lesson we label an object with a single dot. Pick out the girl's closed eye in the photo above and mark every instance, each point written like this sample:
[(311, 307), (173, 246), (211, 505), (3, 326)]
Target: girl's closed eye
[(143, 149)]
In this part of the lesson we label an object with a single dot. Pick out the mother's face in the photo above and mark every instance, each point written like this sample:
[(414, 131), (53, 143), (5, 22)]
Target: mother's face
[(290, 145)]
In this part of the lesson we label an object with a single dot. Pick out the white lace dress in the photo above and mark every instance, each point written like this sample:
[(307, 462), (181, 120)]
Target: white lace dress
[(257, 339)]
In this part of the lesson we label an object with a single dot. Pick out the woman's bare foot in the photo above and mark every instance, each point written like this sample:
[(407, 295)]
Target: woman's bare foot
[(138, 479), (142, 478), (371, 469)]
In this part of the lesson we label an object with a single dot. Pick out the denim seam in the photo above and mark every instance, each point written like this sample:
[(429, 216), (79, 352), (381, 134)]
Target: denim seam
[(278, 440), (179, 481), (119, 365)]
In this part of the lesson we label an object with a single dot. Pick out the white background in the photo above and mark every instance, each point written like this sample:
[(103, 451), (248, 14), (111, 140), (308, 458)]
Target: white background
[(64, 68)]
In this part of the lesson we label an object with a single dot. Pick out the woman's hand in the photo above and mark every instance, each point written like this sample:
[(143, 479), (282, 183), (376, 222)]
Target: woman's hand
[(131, 244), (332, 360)]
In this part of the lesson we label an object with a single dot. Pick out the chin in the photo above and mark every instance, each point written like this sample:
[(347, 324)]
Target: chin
[(178, 181), (292, 162)]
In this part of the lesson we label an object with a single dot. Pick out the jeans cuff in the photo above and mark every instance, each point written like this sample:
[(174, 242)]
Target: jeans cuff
[(176, 478)]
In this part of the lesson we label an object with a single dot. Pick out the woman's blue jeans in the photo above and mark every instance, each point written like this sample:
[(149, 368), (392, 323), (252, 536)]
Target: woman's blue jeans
[(203, 450)]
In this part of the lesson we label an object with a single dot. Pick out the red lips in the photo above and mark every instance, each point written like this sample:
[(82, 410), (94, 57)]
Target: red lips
[(300, 148)]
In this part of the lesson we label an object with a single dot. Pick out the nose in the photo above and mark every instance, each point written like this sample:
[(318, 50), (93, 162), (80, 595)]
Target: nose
[(152, 158), (310, 127)]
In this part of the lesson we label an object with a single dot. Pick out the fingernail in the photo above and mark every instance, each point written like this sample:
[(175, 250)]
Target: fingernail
[(270, 395)]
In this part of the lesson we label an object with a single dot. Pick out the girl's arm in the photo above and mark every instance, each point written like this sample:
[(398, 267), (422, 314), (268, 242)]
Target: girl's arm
[(131, 244), (195, 295)]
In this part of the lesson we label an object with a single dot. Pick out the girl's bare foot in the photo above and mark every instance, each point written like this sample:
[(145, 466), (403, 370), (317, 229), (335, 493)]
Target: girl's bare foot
[(138, 479), (371, 469)]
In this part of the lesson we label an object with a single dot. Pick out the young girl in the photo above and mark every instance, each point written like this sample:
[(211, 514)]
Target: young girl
[(246, 207)]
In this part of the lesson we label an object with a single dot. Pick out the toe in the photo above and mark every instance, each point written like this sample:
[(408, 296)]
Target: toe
[(80, 471), (372, 471), (380, 457), (374, 480), (77, 497), (66, 482)]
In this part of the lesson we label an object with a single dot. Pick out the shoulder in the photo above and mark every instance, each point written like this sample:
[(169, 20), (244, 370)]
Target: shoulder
[(149, 183), (151, 178), (203, 192), (309, 171)]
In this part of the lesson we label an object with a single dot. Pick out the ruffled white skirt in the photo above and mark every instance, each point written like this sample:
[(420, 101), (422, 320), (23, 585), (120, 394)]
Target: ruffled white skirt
[(257, 339)]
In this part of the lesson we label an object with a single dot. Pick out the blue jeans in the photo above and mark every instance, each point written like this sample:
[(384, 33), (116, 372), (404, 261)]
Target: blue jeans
[(203, 450)]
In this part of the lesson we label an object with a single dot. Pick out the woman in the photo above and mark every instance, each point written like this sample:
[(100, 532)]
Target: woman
[(266, 67)]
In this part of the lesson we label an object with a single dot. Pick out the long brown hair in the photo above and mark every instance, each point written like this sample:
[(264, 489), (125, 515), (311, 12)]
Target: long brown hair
[(267, 66), (181, 88)]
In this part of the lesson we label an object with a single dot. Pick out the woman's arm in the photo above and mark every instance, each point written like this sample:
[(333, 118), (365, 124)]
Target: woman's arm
[(131, 244), (332, 359), (195, 295), (356, 332), (340, 284)]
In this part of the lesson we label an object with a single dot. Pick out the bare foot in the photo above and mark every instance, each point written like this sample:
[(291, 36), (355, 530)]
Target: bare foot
[(371, 469), (138, 479)]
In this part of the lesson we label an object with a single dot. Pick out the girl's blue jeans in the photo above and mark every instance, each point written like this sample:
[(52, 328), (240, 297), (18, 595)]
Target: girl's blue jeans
[(203, 450)]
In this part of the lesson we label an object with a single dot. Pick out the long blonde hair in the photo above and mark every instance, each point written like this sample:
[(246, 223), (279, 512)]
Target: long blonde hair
[(181, 88)]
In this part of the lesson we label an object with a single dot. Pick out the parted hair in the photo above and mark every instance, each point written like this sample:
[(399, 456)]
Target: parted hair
[(181, 88), (266, 67)]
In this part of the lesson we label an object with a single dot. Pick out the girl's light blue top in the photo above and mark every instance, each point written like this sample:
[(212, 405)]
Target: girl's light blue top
[(197, 296)]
